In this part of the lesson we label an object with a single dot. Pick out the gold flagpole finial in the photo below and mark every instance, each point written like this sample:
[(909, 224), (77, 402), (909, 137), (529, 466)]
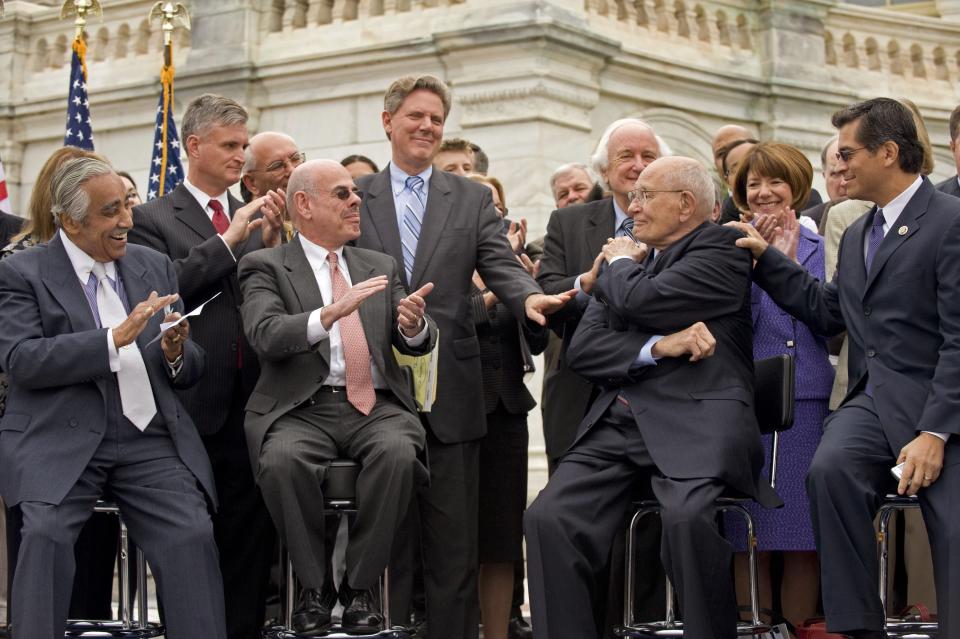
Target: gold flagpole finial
[(168, 13), (80, 8)]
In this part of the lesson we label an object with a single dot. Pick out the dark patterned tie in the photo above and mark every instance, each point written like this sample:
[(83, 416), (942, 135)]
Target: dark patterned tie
[(876, 236), (625, 229)]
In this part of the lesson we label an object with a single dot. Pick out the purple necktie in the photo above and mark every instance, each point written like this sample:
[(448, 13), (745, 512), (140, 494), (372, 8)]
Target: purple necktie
[(876, 236)]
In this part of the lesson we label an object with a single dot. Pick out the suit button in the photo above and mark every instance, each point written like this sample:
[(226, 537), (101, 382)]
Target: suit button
[(790, 343), (867, 310), (73, 423), (233, 347), (871, 352)]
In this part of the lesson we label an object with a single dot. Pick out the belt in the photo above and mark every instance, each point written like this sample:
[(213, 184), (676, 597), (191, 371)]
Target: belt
[(339, 393)]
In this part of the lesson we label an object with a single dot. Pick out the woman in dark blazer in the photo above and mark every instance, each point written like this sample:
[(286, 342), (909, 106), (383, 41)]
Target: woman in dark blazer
[(506, 349)]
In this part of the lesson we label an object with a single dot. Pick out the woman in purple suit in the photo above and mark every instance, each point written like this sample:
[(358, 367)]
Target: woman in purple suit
[(772, 180)]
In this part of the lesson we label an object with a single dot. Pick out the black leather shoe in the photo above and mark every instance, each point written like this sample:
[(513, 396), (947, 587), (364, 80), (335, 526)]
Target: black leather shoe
[(311, 617), (360, 614), (518, 628)]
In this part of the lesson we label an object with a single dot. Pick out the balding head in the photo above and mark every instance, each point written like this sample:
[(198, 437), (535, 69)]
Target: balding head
[(724, 136), (268, 162), (324, 204), (675, 196)]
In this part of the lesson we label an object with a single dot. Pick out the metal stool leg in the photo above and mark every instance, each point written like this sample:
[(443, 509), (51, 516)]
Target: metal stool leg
[(142, 594), (883, 545), (124, 577), (288, 590)]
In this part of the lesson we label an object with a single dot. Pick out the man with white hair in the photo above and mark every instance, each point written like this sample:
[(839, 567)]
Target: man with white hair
[(571, 259), (643, 424)]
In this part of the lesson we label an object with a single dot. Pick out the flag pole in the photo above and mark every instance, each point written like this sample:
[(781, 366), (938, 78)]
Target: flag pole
[(169, 14), (78, 106)]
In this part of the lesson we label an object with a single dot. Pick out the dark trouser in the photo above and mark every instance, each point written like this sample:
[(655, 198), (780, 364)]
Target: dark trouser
[(242, 527), (848, 478), (292, 464), (164, 509), (571, 526), (447, 513)]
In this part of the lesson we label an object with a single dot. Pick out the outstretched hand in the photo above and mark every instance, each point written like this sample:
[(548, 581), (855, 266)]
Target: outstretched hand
[(128, 330), (411, 310), (538, 305), (352, 300)]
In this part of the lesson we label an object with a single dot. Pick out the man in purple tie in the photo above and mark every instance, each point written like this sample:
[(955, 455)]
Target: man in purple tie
[(92, 411)]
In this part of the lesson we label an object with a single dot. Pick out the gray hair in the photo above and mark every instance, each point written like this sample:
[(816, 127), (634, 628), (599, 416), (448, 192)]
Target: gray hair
[(402, 87), (66, 187), (600, 158), (208, 110), (565, 169), (823, 152)]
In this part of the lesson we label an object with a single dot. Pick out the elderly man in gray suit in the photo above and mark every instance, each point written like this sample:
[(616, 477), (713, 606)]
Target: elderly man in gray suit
[(323, 318), (441, 228), (92, 411)]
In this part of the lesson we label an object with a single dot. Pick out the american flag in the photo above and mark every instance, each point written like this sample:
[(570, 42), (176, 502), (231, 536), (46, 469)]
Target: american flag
[(166, 171), (4, 197), (79, 131)]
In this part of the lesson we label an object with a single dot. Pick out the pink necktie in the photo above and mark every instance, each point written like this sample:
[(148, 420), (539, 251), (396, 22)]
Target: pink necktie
[(220, 220), (356, 355)]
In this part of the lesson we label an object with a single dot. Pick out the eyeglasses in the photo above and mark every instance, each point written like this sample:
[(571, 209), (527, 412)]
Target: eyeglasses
[(343, 193), (293, 162), (845, 154), (644, 194)]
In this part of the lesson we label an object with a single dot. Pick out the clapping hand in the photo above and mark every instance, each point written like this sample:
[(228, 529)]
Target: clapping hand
[(411, 309)]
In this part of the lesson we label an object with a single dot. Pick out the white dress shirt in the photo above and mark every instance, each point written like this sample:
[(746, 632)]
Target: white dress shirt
[(317, 257), (204, 201)]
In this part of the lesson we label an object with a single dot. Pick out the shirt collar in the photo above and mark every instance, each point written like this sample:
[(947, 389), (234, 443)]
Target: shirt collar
[(619, 215), (895, 207), (204, 200), (316, 254), (398, 178), (83, 263)]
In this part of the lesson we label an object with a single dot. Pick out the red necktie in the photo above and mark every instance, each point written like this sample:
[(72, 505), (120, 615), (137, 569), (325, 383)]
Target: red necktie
[(356, 355), (220, 220)]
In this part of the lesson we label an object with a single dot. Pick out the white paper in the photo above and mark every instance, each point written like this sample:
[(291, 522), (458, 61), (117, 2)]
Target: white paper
[(165, 326)]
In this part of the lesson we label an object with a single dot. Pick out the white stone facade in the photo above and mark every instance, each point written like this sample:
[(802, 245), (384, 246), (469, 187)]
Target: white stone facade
[(535, 81)]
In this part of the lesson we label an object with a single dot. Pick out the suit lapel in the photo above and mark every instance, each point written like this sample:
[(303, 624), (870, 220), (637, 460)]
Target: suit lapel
[(598, 228), (908, 222), (379, 205), (304, 283), (371, 312), (138, 283), (439, 203), (60, 278), (190, 213)]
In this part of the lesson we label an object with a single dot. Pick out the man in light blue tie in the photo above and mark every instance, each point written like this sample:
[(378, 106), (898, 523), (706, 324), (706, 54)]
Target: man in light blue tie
[(442, 228), (91, 413)]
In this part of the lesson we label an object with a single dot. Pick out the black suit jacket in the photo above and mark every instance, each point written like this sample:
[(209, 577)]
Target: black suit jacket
[(575, 235), (461, 233), (10, 225), (950, 186), (696, 418), (902, 319), (177, 226)]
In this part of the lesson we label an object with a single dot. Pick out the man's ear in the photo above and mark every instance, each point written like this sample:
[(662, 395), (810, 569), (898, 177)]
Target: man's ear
[(890, 153), (192, 144), (687, 205), (387, 121), (248, 182)]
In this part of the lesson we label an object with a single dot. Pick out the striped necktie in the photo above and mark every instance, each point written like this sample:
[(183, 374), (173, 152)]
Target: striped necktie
[(625, 229), (413, 210)]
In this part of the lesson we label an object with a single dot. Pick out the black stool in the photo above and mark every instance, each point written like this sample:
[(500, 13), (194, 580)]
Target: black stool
[(896, 627), (126, 626), (773, 404), (339, 490)]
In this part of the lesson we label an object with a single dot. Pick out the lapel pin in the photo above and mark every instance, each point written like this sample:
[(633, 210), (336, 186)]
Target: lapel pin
[(902, 230)]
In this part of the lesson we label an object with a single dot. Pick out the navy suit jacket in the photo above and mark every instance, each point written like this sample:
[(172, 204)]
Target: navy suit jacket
[(902, 318), (950, 186), (59, 366), (696, 418)]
